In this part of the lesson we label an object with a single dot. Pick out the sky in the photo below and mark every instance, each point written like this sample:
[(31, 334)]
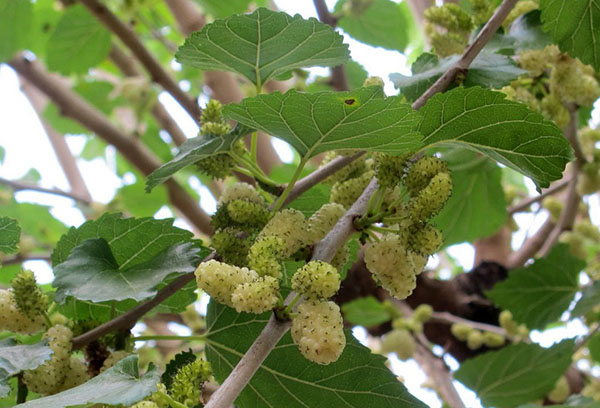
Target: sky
[(27, 147)]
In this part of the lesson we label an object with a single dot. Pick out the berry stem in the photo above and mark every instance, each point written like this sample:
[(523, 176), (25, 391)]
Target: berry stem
[(281, 199), (170, 401), (254, 147), (22, 390), (291, 305), (47, 319)]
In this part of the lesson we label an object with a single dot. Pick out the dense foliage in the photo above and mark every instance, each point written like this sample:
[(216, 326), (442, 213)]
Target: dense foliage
[(488, 142)]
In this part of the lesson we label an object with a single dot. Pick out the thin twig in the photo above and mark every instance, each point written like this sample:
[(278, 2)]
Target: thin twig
[(154, 68), (128, 319), (470, 53), (75, 107), (319, 175), (21, 186), (450, 318), (524, 204), (530, 247), (17, 259)]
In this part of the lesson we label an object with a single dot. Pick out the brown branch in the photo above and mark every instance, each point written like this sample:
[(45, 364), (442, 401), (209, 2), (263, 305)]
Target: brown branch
[(339, 79), (127, 66), (20, 186), (524, 204), (17, 259), (530, 247), (128, 319), (470, 53), (77, 108), (65, 158), (154, 68), (451, 319)]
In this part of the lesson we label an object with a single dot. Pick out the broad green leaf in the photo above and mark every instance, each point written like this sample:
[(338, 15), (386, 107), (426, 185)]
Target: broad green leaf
[(575, 26), (92, 273), (594, 347), (358, 379), (506, 131), (539, 294), (356, 74), (476, 208), (488, 70), (366, 311), (516, 374), (15, 24), (193, 150), (10, 232), (139, 203), (527, 32), (263, 45), (35, 221), (119, 385), (15, 357), (315, 123), (103, 312), (383, 24), (78, 43), (222, 9), (131, 240), (590, 298)]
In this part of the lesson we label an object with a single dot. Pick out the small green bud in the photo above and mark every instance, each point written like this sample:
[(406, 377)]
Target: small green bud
[(28, 296)]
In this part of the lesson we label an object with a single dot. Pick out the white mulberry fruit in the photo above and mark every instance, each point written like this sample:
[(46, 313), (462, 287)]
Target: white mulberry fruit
[(219, 279), (316, 280), (257, 296)]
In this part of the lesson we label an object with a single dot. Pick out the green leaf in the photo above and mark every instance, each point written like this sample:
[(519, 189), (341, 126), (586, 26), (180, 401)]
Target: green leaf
[(594, 347), (263, 45), (590, 298), (356, 74), (119, 385), (516, 374), (139, 203), (476, 208), (131, 240), (506, 131), (10, 233), (527, 32), (383, 24), (316, 123), (489, 69), (92, 273), (358, 379), (539, 294), (366, 311), (222, 9), (35, 220), (193, 150), (78, 43), (15, 357), (15, 24), (575, 27)]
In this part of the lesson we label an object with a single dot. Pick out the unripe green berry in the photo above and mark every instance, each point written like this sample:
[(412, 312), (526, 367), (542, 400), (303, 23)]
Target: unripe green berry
[(561, 391), (399, 341), (28, 295), (323, 220), (421, 172), (475, 340), (493, 340), (231, 245), (291, 226), (423, 313), (348, 191), (461, 331), (265, 256), (389, 170), (507, 323), (431, 199), (554, 206), (425, 240), (588, 230), (187, 383), (316, 280), (241, 191), (247, 212), (374, 81), (522, 7), (219, 279), (145, 404), (318, 330), (352, 170), (257, 296), (576, 242), (213, 112)]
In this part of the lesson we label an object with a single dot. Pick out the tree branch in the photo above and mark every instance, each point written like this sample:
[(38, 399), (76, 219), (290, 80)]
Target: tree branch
[(451, 319), (128, 319), (65, 158), (77, 108), (154, 68), (530, 247), (128, 67), (470, 53), (17, 259), (20, 186), (524, 204)]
